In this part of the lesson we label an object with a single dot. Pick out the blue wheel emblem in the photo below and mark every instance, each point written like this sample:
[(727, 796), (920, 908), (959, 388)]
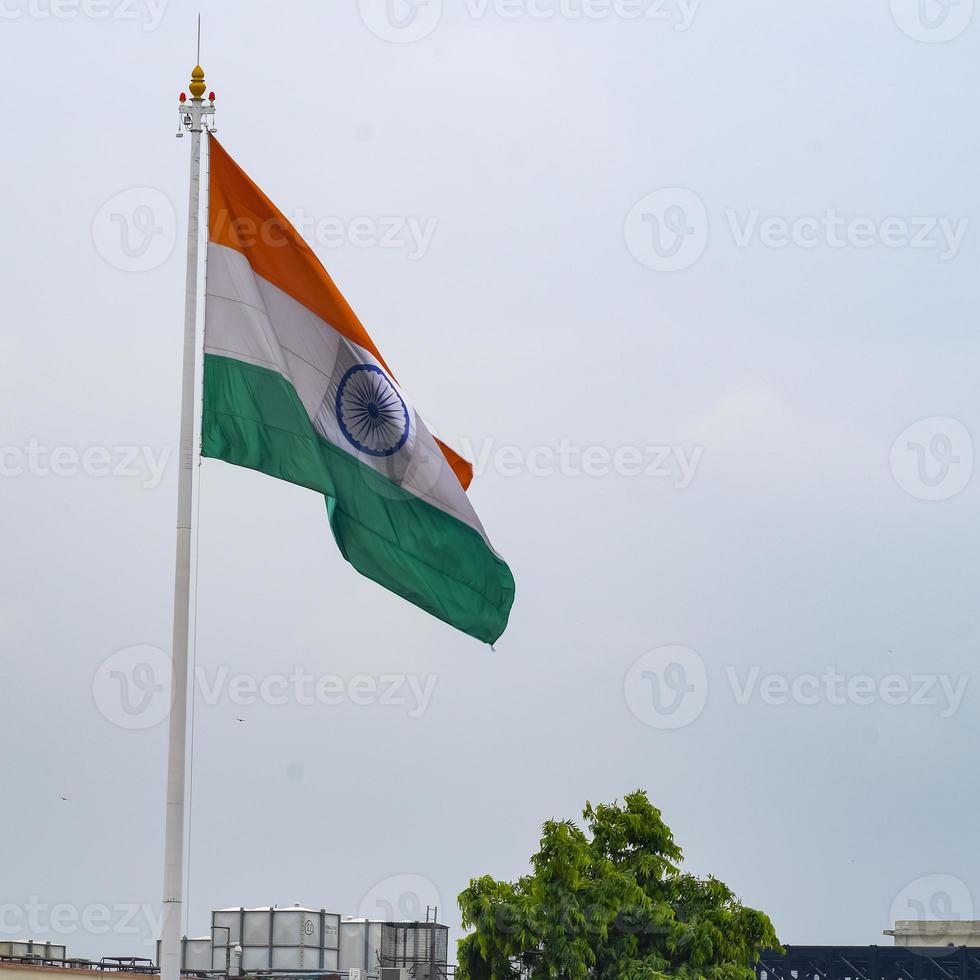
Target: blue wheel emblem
[(371, 413)]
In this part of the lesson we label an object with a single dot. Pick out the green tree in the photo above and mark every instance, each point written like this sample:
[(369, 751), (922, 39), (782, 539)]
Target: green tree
[(609, 904)]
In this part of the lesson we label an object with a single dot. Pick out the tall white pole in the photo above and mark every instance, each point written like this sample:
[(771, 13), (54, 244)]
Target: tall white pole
[(173, 870)]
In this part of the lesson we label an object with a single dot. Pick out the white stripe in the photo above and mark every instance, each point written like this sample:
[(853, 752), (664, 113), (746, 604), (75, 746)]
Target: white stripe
[(249, 319)]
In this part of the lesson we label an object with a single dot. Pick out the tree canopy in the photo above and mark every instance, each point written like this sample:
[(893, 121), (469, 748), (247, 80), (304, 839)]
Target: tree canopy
[(609, 903)]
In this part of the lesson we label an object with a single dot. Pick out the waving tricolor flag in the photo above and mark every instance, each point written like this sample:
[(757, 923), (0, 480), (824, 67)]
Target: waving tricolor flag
[(294, 387)]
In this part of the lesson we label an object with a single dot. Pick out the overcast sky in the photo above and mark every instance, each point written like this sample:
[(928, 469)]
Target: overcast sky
[(695, 284)]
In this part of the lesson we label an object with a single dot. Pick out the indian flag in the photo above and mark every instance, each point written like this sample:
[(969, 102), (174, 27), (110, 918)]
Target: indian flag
[(295, 388)]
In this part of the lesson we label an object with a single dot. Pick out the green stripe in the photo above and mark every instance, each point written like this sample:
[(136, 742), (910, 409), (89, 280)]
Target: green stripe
[(254, 418)]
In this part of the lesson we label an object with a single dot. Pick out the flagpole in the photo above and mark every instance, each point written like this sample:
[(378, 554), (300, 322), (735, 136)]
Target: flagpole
[(192, 118)]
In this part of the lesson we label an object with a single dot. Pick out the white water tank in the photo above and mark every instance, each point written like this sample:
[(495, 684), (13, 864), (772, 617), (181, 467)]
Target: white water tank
[(292, 938)]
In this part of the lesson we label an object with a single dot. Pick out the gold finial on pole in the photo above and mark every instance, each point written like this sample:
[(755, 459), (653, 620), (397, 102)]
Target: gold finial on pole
[(197, 86)]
